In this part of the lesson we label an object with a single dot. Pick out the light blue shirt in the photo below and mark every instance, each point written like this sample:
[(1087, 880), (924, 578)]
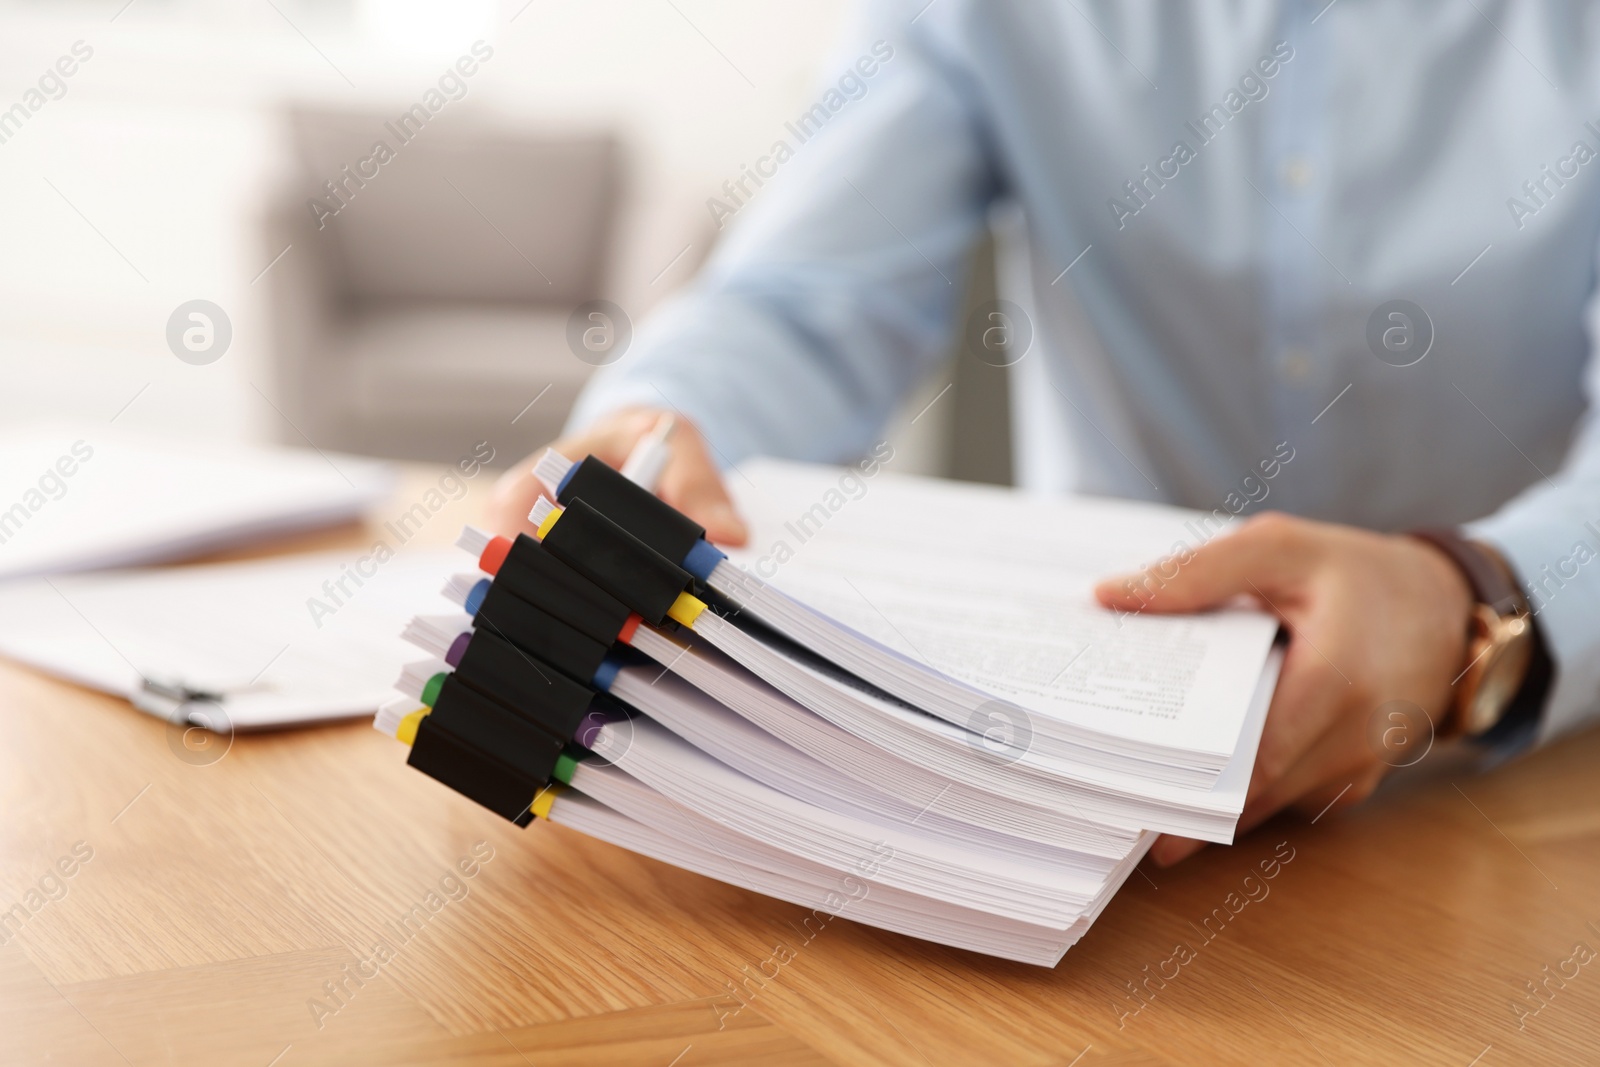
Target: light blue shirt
[(1232, 192)]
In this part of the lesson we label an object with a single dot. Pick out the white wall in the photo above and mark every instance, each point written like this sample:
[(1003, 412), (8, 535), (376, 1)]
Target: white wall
[(142, 186)]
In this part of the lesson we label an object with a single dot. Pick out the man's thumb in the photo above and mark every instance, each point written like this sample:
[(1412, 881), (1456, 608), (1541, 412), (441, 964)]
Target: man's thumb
[(1216, 572)]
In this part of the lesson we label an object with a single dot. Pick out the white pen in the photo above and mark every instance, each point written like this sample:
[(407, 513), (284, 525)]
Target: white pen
[(649, 457)]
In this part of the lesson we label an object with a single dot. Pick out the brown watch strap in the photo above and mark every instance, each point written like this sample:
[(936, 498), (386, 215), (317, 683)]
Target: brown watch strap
[(1490, 583)]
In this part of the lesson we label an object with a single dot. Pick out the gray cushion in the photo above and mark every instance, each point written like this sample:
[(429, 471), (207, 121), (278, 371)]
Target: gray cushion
[(460, 211), (408, 363)]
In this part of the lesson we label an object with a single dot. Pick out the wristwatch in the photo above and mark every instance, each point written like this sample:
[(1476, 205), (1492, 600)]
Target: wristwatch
[(1500, 637)]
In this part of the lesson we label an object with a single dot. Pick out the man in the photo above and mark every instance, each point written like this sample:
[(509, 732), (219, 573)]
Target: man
[(1362, 233)]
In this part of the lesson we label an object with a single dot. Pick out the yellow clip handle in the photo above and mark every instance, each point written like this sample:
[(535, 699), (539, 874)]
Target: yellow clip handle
[(549, 521), (686, 609), (547, 796), (407, 730)]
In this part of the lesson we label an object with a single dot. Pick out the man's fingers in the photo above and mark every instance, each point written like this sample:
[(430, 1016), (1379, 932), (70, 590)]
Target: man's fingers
[(1265, 551), (1346, 783), (1290, 765), (1333, 773), (1339, 758), (513, 497), (610, 439), (1342, 793), (1305, 707), (690, 481), (692, 484), (1169, 849)]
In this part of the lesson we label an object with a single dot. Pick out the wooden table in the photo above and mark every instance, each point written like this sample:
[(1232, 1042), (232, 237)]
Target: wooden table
[(220, 899)]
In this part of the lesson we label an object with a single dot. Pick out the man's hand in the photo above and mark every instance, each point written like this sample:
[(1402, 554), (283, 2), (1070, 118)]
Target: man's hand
[(1371, 618), (689, 483)]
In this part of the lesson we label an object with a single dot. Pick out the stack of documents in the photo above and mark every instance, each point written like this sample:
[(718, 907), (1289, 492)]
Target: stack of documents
[(78, 498), (249, 645), (230, 646), (899, 704)]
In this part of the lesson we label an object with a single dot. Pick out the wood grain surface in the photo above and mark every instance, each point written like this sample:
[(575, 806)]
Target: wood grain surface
[(227, 914)]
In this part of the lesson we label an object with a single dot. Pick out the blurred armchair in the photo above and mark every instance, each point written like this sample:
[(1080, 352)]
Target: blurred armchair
[(424, 304)]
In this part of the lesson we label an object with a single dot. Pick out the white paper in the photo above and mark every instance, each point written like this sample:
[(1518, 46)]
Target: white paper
[(77, 498), (248, 631), (994, 588)]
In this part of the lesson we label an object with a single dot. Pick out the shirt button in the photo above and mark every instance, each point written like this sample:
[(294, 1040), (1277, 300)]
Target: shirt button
[(1294, 365), (1297, 172)]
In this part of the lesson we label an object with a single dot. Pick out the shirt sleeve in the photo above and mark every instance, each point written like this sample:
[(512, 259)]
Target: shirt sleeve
[(835, 290), (1550, 534)]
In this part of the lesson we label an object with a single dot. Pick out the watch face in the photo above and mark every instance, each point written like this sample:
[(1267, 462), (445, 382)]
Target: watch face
[(1504, 665)]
